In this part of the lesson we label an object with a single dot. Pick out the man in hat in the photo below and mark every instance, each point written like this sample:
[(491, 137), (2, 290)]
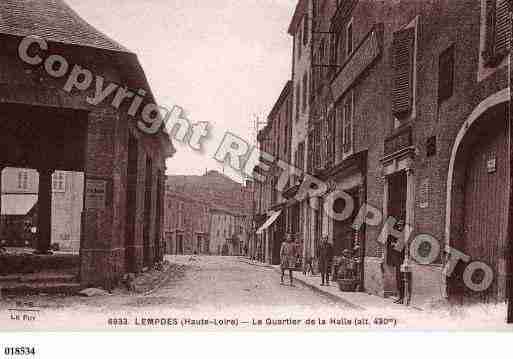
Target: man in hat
[(396, 258), (288, 257), (325, 255)]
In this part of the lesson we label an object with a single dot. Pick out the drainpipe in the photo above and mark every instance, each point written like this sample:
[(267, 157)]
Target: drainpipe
[(410, 207), (509, 277)]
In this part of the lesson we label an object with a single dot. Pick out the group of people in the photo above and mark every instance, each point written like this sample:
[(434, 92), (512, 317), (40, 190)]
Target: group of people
[(345, 266)]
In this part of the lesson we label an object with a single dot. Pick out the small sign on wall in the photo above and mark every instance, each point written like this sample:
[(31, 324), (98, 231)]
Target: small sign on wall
[(491, 164), (424, 193), (95, 193)]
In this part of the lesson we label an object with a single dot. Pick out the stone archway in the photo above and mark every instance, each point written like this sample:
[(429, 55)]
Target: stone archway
[(479, 160)]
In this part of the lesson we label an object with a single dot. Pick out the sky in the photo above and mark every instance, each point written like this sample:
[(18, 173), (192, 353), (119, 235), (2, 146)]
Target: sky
[(223, 61)]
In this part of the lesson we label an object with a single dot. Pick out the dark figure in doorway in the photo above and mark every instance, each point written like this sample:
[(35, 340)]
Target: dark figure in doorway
[(325, 255), (308, 267), (396, 258), (288, 258)]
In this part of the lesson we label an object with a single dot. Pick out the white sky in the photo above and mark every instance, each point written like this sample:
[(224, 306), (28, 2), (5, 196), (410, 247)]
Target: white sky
[(222, 60)]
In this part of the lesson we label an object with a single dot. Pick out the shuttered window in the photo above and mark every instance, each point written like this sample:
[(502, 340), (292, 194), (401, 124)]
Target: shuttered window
[(348, 125), (317, 144), (502, 28), (298, 100), (402, 92), (335, 40), (330, 136), (498, 31), (305, 30), (446, 74), (311, 146), (301, 156), (305, 91)]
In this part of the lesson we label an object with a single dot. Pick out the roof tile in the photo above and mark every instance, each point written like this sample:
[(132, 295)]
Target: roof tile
[(52, 20)]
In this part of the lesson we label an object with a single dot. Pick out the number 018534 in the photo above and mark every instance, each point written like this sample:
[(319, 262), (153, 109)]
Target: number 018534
[(19, 351)]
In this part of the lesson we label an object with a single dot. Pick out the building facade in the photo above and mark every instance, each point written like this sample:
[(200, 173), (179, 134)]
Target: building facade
[(195, 221), (408, 119), (275, 139), (223, 233), (186, 225), (48, 126)]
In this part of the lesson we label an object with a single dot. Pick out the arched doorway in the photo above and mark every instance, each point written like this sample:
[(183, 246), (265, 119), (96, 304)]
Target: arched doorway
[(477, 194)]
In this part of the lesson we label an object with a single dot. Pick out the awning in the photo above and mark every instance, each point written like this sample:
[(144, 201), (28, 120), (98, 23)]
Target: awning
[(17, 204), (269, 221)]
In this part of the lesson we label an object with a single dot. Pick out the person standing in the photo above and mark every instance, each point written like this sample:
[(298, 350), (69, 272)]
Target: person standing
[(288, 258), (325, 255), (396, 258)]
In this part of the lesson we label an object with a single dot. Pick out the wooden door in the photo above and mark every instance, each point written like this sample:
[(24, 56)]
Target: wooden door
[(486, 206)]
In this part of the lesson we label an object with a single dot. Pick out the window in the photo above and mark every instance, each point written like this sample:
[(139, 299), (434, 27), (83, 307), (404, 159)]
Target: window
[(335, 41), (311, 153), (298, 98), (498, 31), (300, 157), (330, 139), (22, 180), (305, 92), (317, 145), (347, 136), (58, 182), (446, 74), (349, 39), (181, 217), (402, 90), (299, 43), (305, 30)]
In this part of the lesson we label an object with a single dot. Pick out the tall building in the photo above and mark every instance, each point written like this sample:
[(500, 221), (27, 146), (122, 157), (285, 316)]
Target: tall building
[(406, 120), (275, 139)]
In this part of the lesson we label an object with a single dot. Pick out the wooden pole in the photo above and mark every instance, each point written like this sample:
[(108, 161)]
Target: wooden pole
[(509, 255)]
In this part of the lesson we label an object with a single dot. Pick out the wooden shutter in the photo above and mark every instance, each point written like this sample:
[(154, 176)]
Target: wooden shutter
[(502, 28), (498, 31), (306, 32), (446, 74), (402, 92), (348, 114)]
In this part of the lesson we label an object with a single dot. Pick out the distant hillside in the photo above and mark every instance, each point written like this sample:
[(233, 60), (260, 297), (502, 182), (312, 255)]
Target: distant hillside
[(214, 188)]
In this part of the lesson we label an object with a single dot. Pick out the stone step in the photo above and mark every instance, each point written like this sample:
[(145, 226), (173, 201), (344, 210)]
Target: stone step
[(38, 278), (40, 288)]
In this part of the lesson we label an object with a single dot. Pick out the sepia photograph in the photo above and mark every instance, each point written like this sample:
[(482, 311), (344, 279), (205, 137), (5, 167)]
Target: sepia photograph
[(255, 166)]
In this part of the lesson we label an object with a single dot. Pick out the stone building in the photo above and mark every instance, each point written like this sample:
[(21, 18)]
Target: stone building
[(275, 139), (223, 232), (408, 115), (186, 224), (52, 121), (301, 30), (221, 207)]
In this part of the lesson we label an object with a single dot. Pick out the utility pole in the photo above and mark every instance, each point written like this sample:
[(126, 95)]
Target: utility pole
[(509, 255)]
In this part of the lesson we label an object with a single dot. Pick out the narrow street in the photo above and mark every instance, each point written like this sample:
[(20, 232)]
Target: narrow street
[(227, 282), (200, 282), (212, 288)]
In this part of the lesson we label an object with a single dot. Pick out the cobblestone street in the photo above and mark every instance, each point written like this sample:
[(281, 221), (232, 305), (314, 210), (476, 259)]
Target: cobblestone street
[(206, 288), (218, 283), (226, 282)]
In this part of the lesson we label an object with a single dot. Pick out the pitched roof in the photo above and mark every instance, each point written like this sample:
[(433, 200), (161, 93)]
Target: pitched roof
[(299, 13), (52, 20)]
